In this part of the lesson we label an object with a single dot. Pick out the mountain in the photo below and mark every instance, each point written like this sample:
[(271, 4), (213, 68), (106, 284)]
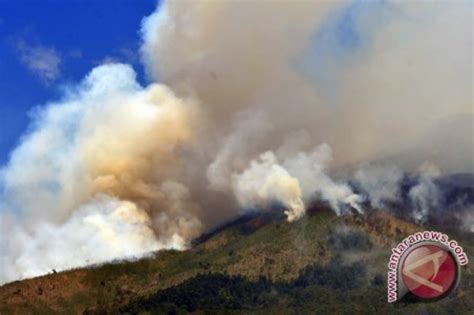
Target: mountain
[(258, 263)]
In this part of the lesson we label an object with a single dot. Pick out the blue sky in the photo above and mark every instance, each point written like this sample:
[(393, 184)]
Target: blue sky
[(45, 45)]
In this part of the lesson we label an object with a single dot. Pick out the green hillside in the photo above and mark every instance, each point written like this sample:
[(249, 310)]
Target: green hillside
[(257, 264)]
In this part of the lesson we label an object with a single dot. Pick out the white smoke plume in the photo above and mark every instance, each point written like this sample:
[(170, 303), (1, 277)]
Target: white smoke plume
[(425, 195), (258, 102), (310, 169), (295, 183), (99, 231), (383, 186), (112, 138), (468, 220), (381, 182), (266, 181)]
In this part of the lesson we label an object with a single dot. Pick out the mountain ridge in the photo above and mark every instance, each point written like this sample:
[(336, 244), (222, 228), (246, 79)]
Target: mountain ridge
[(253, 248)]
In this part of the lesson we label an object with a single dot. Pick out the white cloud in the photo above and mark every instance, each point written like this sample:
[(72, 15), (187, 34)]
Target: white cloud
[(43, 61)]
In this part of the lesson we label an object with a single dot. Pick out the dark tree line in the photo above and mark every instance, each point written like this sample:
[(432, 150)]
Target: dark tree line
[(215, 291)]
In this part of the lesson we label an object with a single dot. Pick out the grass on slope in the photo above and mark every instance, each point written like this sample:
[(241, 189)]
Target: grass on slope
[(258, 246)]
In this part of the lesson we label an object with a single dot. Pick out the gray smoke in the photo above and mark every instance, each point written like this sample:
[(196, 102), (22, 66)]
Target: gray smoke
[(253, 103)]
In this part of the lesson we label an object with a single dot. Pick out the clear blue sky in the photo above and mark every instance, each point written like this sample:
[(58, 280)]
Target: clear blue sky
[(47, 44)]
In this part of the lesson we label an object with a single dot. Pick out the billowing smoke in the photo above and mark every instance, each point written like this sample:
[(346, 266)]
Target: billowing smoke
[(97, 231), (265, 181), (97, 178), (390, 80), (382, 183), (424, 195), (295, 183), (385, 186), (258, 103)]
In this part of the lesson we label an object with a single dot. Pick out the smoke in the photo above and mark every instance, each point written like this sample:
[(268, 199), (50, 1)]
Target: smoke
[(265, 181), (374, 81), (295, 183), (468, 220), (257, 103), (96, 177), (424, 195), (381, 182), (387, 187), (310, 169), (98, 231)]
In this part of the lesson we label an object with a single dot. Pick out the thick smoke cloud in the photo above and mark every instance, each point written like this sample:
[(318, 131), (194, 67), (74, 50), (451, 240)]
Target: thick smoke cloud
[(266, 181), (374, 82), (97, 178), (101, 230), (295, 183), (258, 103), (400, 77)]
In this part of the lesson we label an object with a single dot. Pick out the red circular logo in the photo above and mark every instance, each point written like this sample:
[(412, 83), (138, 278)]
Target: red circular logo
[(429, 271)]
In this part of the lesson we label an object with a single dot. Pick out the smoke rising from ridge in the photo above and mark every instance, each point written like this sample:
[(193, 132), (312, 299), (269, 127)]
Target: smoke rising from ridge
[(257, 103), (99, 173)]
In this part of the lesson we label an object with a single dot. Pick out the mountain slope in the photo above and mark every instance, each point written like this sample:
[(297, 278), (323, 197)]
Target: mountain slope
[(258, 263)]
